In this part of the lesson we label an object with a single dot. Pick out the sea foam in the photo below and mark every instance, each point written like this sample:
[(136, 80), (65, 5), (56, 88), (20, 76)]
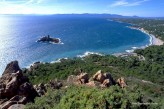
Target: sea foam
[(87, 53)]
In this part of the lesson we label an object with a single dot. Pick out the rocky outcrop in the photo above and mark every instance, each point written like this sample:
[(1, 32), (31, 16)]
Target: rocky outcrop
[(106, 83), (83, 78), (34, 66), (105, 78), (15, 87), (16, 90), (12, 67), (99, 79), (121, 82), (93, 84), (49, 39), (15, 100), (41, 89), (110, 78), (17, 106), (99, 76)]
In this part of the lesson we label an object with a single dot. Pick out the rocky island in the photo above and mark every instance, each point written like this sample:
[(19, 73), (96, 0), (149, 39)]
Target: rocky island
[(49, 39)]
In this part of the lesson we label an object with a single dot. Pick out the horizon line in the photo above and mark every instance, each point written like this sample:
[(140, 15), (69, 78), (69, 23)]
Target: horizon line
[(85, 14)]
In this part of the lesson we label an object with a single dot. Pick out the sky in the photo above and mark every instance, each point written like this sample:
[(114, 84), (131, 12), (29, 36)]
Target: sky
[(143, 8)]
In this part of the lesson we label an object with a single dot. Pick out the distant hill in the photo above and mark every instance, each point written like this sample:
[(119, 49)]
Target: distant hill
[(79, 15), (98, 15)]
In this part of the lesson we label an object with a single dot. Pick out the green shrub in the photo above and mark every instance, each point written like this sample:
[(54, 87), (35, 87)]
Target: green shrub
[(82, 97)]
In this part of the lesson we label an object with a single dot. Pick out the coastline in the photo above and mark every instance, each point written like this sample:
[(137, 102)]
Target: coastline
[(157, 41), (153, 39)]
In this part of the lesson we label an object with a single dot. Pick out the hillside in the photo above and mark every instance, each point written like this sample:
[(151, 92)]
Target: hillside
[(154, 26), (127, 81), (143, 77)]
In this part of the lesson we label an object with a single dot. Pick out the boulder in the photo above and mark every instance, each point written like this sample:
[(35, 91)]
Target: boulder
[(121, 82), (34, 66), (105, 79), (2, 90), (13, 84), (15, 87), (12, 67), (13, 102), (83, 78), (26, 89), (3, 101), (41, 89), (110, 78), (91, 84), (99, 77), (17, 106), (19, 99), (9, 84), (106, 83), (7, 104)]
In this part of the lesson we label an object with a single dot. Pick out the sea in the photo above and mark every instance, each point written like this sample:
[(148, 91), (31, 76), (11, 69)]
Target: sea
[(79, 35)]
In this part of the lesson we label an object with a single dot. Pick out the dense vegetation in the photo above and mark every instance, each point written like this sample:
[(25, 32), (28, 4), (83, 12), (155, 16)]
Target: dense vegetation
[(153, 26), (144, 77), (93, 98), (151, 69), (132, 68)]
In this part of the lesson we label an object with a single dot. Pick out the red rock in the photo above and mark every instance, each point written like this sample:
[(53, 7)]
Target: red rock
[(83, 78), (12, 67), (121, 82), (14, 87), (99, 76)]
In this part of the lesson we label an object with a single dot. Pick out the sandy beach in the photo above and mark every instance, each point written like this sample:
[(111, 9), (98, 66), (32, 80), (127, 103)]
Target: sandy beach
[(156, 41), (153, 40)]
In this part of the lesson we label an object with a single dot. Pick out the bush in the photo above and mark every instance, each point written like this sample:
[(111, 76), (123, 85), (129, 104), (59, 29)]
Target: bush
[(82, 97)]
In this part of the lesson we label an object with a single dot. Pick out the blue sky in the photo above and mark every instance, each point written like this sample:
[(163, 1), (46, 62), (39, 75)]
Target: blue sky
[(146, 8)]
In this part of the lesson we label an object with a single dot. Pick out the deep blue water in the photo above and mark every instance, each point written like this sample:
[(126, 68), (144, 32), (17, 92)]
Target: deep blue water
[(18, 35)]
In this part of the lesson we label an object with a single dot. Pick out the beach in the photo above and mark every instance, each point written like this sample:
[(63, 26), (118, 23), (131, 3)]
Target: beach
[(157, 41), (85, 36), (153, 39)]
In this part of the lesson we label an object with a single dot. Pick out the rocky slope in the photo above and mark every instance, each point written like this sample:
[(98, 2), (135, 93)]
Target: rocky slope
[(15, 88)]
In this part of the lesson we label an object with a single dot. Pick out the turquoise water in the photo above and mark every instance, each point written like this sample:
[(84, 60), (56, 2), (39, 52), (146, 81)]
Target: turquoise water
[(80, 34)]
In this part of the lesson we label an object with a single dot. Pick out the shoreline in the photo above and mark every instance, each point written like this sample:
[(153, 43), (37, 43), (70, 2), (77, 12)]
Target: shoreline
[(153, 39)]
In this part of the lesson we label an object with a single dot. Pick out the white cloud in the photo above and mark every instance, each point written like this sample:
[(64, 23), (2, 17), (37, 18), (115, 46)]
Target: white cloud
[(20, 6), (34, 1), (40, 1), (30, 1), (21, 2), (126, 3)]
